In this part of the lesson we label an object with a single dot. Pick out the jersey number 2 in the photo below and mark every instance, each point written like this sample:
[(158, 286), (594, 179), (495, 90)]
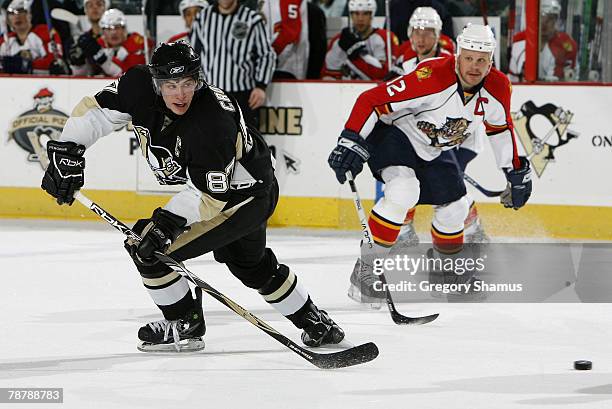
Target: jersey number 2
[(392, 88)]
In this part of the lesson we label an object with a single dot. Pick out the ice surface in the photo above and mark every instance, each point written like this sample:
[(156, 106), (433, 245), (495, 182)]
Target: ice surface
[(71, 303)]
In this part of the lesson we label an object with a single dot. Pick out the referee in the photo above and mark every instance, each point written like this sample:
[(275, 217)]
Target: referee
[(236, 53)]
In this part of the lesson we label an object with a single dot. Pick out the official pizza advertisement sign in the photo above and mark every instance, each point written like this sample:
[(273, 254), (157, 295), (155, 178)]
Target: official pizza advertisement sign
[(34, 111)]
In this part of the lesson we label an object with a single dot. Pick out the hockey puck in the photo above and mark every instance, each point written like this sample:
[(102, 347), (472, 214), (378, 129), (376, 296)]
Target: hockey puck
[(583, 365)]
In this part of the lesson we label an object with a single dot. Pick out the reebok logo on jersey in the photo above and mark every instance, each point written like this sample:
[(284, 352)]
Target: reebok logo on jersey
[(177, 70)]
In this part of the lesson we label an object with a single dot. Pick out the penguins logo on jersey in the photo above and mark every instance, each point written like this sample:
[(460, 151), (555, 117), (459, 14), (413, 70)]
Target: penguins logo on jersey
[(160, 159), (43, 120), (452, 133), (539, 141)]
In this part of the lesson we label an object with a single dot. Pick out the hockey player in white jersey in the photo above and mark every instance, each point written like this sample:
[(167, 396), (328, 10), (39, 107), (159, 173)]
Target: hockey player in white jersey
[(425, 41), (405, 128)]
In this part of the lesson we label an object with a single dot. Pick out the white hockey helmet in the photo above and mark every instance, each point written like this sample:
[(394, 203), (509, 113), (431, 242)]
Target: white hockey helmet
[(477, 37), (550, 7), (185, 4), (425, 17), (113, 18), (16, 6), (106, 3), (362, 5)]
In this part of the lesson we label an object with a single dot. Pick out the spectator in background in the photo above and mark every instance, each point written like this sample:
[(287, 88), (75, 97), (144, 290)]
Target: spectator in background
[(557, 49), (27, 49), (287, 22), (61, 27), (360, 51), (188, 9), (332, 8), (401, 10), (113, 53), (236, 53), (425, 40), (94, 9)]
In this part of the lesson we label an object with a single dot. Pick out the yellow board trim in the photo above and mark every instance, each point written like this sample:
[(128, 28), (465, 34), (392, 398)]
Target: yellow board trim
[(555, 221)]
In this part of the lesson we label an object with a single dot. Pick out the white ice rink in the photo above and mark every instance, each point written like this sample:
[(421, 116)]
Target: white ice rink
[(71, 303)]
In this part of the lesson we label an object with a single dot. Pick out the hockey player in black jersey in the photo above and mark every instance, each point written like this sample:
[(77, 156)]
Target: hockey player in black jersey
[(191, 134)]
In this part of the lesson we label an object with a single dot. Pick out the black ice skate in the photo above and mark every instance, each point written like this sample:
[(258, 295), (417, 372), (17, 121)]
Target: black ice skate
[(319, 329), (182, 335), (363, 289)]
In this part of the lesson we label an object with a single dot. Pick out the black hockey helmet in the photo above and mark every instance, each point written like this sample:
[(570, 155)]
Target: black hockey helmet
[(174, 61)]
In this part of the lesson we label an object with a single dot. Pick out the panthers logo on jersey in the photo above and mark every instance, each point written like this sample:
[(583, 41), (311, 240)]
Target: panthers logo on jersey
[(452, 133), (160, 159)]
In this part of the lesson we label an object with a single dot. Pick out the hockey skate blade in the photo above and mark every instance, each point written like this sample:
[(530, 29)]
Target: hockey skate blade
[(189, 345), (355, 295)]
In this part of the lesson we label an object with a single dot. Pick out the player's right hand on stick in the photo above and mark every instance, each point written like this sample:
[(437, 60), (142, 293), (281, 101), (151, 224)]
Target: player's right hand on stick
[(158, 233), (518, 191), (350, 154), (66, 171)]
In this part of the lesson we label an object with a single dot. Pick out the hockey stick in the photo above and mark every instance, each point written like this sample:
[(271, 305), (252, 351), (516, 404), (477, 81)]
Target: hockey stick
[(484, 12), (478, 186), (65, 15), (349, 357), (353, 356), (52, 42), (367, 240), (4, 25), (145, 30)]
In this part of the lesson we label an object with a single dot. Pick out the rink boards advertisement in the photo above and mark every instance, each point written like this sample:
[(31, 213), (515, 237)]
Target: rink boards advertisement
[(564, 131)]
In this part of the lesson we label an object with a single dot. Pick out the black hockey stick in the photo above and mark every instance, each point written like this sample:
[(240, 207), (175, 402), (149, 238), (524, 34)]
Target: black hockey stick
[(478, 186), (349, 357), (367, 241), (52, 42)]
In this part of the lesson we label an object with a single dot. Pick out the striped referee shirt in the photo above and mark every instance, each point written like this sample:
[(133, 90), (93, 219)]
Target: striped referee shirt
[(235, 49)]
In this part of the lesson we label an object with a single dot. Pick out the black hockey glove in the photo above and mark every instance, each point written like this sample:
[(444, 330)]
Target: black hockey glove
[(76, 56), (519, 186), (158, 233), (16, 64), (350, 154), (351, 43), (58, 67), (65, 173), (91, 49)]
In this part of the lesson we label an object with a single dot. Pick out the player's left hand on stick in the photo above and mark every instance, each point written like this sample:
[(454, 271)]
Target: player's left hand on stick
[(158, 233), (350, 154), (66, 171), (518, 191)]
